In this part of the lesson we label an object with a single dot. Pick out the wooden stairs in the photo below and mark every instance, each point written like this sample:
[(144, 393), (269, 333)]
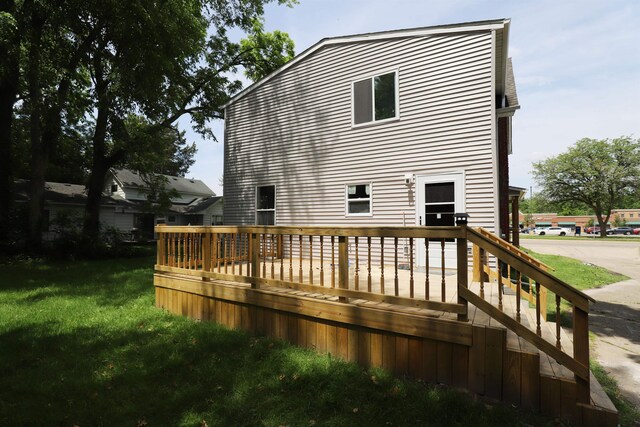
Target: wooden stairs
[(533, 380)]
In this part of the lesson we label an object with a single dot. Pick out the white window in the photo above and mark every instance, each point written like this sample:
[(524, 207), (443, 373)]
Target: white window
[(375, 98), (358, 199), (266, 205)]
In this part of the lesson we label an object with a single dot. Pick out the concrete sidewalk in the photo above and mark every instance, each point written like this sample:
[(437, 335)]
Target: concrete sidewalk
[(615, 318)]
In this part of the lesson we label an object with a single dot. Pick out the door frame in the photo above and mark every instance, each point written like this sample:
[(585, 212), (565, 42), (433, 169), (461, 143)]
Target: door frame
[(458, 179)]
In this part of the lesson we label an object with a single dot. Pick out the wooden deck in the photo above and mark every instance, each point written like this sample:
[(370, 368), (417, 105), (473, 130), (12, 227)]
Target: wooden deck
[(392, 314)]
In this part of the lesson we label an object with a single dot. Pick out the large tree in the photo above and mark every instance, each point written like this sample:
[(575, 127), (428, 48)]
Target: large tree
[(10, 40), (597, 173), (158, 61), (89, 67)]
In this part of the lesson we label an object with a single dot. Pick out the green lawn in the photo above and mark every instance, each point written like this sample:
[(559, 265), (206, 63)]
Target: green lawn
[(576, 273), (82, 344), (586, 276)]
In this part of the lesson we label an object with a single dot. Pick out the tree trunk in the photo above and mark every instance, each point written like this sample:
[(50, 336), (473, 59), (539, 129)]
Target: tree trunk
[(99, 168), (8, 93), (9, 79), (39, 158)]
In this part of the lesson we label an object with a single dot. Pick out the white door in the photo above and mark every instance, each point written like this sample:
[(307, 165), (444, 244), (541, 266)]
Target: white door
[(438, 198)]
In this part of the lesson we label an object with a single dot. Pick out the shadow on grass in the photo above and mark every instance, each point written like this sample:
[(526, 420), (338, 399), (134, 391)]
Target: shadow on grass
[(82, 344), (171, 371), (107, 282)]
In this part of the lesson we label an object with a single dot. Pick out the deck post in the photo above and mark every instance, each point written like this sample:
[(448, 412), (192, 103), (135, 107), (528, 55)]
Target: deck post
[(160, 256), (581, 351), (255, 258), (479, 261), (206, 254), (462, 263), (343, 265)]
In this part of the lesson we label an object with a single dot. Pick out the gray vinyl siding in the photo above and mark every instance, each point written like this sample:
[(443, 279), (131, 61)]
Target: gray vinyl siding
[(295, 132)]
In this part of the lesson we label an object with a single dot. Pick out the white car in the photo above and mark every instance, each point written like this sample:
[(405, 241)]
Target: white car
[(554, 231)]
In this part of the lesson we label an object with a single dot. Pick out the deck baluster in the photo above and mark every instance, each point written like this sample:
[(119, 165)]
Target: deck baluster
[(218, 251), (333, 262), (518, 293), (321, 260), (558, 343), (263, 238), (290, 258), (241, 252), (311, 260), (368, 264), (356, 277), (280, 237), (192, 248), (170, 249), (300, 261), (426, 272), (233, 253), (178, 252), (382, 265), (228, 249), (482, 272), (396, 287), (273, 260), (500, 290), (411, 290), (538, 328), (443, 285)]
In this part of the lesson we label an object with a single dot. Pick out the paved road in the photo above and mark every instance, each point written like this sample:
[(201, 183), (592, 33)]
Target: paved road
[(615, 318)]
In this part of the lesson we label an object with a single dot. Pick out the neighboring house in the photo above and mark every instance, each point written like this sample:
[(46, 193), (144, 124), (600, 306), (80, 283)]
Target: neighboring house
[(123, 204), (195, 203), (401, 127)]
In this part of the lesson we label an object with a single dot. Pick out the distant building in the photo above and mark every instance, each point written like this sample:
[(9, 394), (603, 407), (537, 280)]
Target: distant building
[(630, 217), (123, 204)]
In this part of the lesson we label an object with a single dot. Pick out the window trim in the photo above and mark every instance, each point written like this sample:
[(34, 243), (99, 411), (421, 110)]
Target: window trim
[(396, 73), (346, 199), (275, 203)]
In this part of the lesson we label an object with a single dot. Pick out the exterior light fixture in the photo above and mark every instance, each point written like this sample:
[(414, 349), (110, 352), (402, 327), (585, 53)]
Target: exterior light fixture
[(409, 179)]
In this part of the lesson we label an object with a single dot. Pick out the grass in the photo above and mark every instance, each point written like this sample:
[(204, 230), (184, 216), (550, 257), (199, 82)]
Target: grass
[(576, 273), (587, 276), (81, 343), (628, 415)]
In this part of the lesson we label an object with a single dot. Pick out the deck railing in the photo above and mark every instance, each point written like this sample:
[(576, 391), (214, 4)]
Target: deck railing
[(377, 264), (420, 267), (496, 264)]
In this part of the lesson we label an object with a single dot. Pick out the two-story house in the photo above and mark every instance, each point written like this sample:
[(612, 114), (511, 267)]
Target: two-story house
[(401, 127)]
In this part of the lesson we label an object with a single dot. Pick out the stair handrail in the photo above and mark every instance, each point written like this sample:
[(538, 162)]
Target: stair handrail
[(578, 362), (513, 248)]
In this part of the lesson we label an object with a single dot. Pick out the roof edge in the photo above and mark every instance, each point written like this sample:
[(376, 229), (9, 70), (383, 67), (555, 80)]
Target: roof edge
[(495, 24)]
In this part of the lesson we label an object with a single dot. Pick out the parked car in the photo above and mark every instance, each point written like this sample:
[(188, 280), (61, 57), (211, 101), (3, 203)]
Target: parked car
[(620, 230), (554, 231), (636, 231), (537, 230), (592, 230)]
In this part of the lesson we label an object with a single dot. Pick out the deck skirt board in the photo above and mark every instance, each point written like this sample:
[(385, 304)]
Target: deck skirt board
[(480, 355)]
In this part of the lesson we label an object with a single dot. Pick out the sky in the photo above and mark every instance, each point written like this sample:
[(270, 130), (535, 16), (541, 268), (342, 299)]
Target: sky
[(576, 65)]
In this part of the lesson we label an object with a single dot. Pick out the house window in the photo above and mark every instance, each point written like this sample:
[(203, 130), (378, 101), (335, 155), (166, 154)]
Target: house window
[(630, 215), (375, 99), (171, 218), (621, 215), (114, 188), (358, 199), (266, 205)]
